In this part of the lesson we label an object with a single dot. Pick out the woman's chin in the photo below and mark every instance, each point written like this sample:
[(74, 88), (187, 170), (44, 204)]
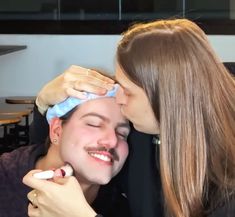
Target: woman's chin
[(146, 129)]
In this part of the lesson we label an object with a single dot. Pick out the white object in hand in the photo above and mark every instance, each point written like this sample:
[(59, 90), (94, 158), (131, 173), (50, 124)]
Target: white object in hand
[(49, 174)]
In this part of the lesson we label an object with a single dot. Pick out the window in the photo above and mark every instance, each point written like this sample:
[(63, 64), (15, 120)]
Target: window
[(110, 16)]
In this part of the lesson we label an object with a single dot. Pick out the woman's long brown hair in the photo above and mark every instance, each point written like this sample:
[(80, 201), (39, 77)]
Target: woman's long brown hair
[(192, 96)]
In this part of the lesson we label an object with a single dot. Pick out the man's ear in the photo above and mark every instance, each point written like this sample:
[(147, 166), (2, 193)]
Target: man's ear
[(56, 129)]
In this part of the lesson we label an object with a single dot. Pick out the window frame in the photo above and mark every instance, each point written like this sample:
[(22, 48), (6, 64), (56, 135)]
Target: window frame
[(97, 27)]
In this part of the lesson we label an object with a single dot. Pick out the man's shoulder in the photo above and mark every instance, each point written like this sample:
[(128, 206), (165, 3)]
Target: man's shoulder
[(13, 166), (16, 155), (11, 163)]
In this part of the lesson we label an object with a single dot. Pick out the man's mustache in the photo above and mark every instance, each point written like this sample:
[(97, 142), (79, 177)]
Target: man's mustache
[(112, 151)]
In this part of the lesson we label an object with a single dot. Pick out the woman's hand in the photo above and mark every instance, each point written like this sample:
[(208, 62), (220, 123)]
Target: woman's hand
[(58, 198), (72, 82)]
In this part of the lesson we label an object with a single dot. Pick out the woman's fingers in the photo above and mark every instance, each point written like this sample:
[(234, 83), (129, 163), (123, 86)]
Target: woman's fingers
[(93, 81), (32, 197), (58, 197), (81, 79), (32, 211), (39, 184), (90, 73), (77, 90)]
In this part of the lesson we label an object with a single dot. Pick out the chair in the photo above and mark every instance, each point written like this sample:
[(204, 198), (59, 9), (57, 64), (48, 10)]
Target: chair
[(23, 111)]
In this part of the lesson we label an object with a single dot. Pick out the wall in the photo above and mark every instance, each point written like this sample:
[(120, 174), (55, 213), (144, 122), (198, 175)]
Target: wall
[(232, 9), (25, 72)]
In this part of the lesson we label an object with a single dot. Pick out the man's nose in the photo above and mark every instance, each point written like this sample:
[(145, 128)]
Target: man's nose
[(121, 97), (109, 139)]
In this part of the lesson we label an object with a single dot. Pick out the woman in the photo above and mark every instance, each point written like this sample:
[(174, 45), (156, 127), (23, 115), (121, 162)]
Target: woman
[(173, 84)]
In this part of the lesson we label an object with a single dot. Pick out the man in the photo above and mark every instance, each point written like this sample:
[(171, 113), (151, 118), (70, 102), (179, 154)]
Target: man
[(88, 134), (142, 186)]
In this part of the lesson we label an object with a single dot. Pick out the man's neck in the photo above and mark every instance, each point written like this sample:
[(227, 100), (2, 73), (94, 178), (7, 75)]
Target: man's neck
[(52, 161)]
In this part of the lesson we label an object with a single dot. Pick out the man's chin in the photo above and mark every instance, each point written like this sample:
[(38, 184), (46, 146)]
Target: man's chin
[(102, 180)]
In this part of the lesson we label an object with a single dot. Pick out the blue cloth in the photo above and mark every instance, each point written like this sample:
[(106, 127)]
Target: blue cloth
[(60, 109)]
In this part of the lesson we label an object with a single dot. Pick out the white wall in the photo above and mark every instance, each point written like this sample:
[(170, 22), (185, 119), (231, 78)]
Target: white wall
[(25, 72)]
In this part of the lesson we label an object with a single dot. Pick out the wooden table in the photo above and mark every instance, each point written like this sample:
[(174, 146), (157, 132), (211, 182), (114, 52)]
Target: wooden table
[(20, 110), (16, 110), (5, 121), (9, 119), (20, 99)]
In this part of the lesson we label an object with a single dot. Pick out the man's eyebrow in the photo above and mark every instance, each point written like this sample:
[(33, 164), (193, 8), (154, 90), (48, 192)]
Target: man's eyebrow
[(96, 115)]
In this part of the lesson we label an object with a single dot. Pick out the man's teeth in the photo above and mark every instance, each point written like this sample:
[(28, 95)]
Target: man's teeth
[(101, 157)]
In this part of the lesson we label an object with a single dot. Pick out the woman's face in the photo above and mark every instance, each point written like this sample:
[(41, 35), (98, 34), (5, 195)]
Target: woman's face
[(135, 105)]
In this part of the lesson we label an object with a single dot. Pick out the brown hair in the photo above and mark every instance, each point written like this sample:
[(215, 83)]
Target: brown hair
[(65, 118), (192, 96)]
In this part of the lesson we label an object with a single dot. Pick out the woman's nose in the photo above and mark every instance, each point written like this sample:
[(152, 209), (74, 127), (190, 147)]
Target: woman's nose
[(121, 98)]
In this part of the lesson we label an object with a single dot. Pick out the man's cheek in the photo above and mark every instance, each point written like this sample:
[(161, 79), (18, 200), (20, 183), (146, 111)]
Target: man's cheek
[(123, 152)]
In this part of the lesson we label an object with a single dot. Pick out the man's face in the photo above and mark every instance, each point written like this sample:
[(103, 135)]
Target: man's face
[(93, 141)]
